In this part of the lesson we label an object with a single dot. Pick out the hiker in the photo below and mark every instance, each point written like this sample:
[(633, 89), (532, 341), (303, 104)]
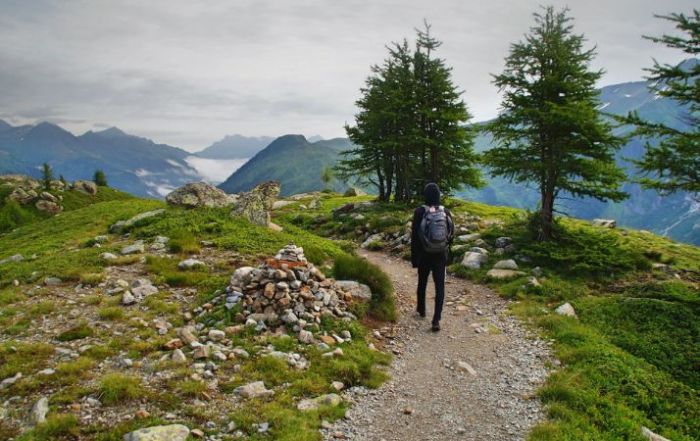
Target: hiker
[(432, 231)]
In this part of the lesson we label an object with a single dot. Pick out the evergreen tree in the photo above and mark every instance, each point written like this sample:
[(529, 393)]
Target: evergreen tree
[(674, 163), (326, 177), (549, 131), (63, 181), (411, 126), (46, 176), (100, 178)]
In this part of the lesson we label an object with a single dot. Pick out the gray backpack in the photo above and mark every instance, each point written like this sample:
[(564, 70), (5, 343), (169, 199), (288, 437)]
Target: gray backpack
[(434, 230)]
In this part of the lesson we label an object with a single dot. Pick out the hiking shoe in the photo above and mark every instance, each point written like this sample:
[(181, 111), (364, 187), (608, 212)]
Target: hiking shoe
[(436, 327), (420, 315)]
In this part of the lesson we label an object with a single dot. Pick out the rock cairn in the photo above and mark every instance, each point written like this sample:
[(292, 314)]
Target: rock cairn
[(288, 290)]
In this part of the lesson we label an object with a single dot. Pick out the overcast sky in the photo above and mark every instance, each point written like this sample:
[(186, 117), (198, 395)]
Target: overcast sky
[(187, 74)]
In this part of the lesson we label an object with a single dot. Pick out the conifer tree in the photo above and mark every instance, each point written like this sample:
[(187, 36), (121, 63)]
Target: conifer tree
[(674, 163), (549, 131), (411, 127), (100, 178), (46, 176)]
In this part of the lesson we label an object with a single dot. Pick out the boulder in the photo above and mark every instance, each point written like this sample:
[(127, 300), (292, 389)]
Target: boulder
[(199, 194), (503, 274), (374, 238), (508, 264), (256, 204), (356, 289), (605, 223), (474, 260), (87, 187), (39, 411), (190, 264), (253, 390), (354, 191), (332, 400), (48, 206), (172, 432), (503, 242), (135, 248), (566, 310), (22, 196)]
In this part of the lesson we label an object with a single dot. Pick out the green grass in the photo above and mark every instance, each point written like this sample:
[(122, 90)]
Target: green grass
[(382, 305), (56, 427), (116, 387), (57, 241), (631, 358), (78, 332)]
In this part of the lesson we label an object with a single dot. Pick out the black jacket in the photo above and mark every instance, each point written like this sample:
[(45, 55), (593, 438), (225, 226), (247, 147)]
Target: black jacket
[(417, 251)]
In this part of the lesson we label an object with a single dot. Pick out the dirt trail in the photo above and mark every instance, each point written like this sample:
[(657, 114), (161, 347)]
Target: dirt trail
[(430, 396)]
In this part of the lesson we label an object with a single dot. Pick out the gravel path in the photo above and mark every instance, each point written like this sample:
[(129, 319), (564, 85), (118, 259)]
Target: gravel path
[(474, 380)]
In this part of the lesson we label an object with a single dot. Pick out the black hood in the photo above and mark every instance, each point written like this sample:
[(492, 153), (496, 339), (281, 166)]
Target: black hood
[(432, 194)]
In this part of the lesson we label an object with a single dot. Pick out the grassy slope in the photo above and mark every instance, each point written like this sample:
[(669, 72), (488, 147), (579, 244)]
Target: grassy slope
[(13, 215), (632, 358), (62, 246)]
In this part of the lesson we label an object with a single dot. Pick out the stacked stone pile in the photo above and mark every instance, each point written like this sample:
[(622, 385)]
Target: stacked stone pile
[(290, 290)]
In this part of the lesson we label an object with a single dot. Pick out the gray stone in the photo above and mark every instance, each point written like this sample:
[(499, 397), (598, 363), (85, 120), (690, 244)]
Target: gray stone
[(52, 281), (503, 274), (108, 256), (128, 298), (216, 335), (48, 206), (87, 187), (134, 248), (172, 432), (179, 356), (374, 238), (199, 194), (256, 204), (253, 390), (503, 242), (466, 367), (604, 223), (566, 310), (190, 264), (7, 382), (474, 260), (306, 337), (332, 400), (356, 289), (39, 411), (508, 264)]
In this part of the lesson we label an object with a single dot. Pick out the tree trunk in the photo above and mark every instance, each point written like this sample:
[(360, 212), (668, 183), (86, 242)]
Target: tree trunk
[(380, 180), (547, 214)]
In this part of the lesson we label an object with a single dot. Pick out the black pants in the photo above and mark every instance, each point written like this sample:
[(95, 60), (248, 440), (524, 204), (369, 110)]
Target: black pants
[(436, 265)]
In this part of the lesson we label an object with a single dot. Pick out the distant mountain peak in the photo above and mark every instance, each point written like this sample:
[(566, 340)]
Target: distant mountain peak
[(112, 131), (4, 125)]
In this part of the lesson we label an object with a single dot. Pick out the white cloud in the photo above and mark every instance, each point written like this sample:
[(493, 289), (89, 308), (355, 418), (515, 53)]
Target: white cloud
[(187, 73)]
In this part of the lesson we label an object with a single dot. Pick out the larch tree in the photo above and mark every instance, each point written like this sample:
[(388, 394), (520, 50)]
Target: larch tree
[(549, 131), (672, 162)]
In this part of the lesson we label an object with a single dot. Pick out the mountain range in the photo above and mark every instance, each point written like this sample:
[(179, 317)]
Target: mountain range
[(133, 164), (292, 160), (142, 167)]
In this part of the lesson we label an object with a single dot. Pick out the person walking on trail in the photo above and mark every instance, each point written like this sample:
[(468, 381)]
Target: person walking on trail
[(432, 232)]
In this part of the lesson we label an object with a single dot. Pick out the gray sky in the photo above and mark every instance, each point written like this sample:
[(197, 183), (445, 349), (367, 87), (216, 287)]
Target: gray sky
[(186, 74)]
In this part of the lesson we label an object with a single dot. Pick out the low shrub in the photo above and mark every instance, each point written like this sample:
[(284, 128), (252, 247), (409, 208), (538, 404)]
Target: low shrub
[(351, 267)]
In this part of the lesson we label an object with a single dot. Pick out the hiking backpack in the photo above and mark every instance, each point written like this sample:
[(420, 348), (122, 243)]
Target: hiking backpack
[(434, 230)]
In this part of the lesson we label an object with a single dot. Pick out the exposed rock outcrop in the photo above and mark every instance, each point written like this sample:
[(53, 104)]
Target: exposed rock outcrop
[(256, 204), (199, 194)]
